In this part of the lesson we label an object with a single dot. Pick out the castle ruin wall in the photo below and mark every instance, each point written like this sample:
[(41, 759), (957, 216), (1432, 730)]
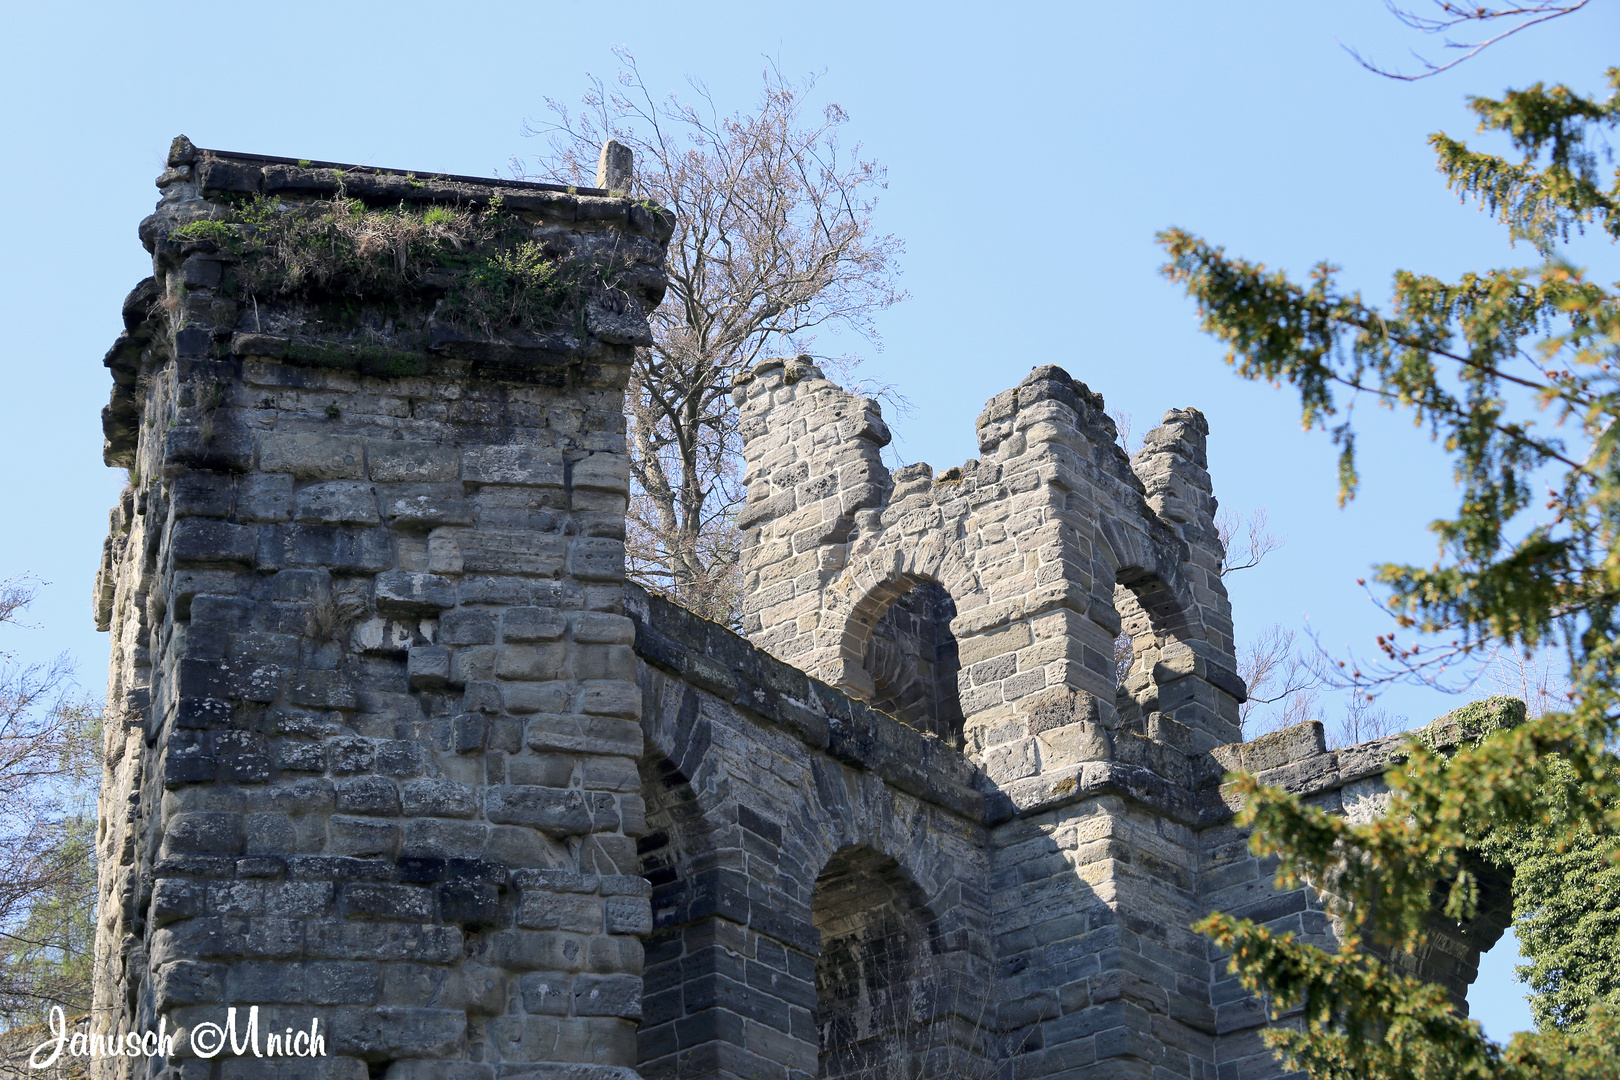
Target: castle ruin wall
[(393, 745)]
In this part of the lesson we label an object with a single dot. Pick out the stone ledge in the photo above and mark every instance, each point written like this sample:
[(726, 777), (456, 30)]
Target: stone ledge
[(711, 658), (1297, 758)]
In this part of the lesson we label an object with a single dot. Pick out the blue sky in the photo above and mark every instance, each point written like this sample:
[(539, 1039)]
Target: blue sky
[(1033, 151)]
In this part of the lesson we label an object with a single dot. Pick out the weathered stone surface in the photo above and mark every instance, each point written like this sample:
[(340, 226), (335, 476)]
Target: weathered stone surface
[(403, 754), (319, 782)]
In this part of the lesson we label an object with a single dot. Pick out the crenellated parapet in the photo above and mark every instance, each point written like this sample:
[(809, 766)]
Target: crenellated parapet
[(1040, 551)]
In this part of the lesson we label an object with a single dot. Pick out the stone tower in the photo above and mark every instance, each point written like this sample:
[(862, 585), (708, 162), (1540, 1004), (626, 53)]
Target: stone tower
[(373, 711)]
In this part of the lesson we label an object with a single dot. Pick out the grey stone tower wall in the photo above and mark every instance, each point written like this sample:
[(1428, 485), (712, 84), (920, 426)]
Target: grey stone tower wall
[(1039, 543), (1065, 946), (373, 709)]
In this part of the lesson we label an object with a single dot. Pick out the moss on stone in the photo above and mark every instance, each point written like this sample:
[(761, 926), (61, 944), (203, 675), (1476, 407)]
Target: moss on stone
[(365, 359), (1474, 721)]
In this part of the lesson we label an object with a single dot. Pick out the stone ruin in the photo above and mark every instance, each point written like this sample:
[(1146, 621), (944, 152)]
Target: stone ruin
[(393, 746)]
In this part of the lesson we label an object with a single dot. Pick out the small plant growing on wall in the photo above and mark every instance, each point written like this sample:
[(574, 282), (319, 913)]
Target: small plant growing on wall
[(479, 265)]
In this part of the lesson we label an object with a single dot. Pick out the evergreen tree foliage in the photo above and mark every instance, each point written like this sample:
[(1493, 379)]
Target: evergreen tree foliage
[(1566, 899), (1515, 372)]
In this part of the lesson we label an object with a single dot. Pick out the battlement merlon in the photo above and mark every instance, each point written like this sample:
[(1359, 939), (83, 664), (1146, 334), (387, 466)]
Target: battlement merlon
[(1048, 545)]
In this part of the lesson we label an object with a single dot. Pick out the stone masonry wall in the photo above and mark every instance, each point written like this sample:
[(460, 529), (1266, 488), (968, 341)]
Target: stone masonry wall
[(394, 747), (818, 872), (373, 710), (1032, 542), (800, 841)]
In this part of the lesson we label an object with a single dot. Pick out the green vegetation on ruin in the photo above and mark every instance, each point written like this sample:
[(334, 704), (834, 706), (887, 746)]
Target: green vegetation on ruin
[(481, 265)]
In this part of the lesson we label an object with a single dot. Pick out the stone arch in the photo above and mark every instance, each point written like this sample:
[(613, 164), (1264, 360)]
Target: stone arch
[(678, 945), (887, 993), (742, 817), (876, 579), (914, 661), (1158, 623), (1181, 666), (896, 650)]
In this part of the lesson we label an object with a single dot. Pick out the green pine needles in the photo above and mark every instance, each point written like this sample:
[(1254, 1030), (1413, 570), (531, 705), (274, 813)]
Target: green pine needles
[(1517, 373)]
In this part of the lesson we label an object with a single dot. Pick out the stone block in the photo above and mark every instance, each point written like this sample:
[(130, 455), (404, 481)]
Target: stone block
[(538, 663), (573, 912), (595, 558), (438, 797), (608, 995), (404, 460), (428, 666), (557, 812), (334, 548), (208, 542), (362, 837), (202, 494), (393, 1032), (368, 795), (507, 551), (470, 903), (546, 994), (400, 592), (328, 982), (629, 915), (310, 456), (610, 698), (175, 898), (534, 466), (525, 624), (188, 982), (526, 698), (584, 734), (602, 472), (401, 903), (427, 511), (337, 502), (204, 833), (467, 627), (438, 838), (601, 628)]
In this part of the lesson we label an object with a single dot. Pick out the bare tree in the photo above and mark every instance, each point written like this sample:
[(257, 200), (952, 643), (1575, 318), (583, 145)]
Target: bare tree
[(1365, 719), (1277, 674), (49, 765), (1499, 21), (1246, 541), (774, 240), (1123, 424), (1540, 680)]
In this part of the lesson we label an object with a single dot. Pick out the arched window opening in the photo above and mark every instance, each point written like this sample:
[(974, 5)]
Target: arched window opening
[(672, 855), (912, 658), (1136, 650), (876, 977)]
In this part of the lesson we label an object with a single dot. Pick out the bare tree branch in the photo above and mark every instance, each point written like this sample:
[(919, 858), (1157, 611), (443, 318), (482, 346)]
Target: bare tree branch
[(1245, 541), (50, 763), (1511, 17), (1276, 673)]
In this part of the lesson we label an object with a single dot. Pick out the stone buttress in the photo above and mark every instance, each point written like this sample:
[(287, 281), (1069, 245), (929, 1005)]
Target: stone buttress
[(372, 726)]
